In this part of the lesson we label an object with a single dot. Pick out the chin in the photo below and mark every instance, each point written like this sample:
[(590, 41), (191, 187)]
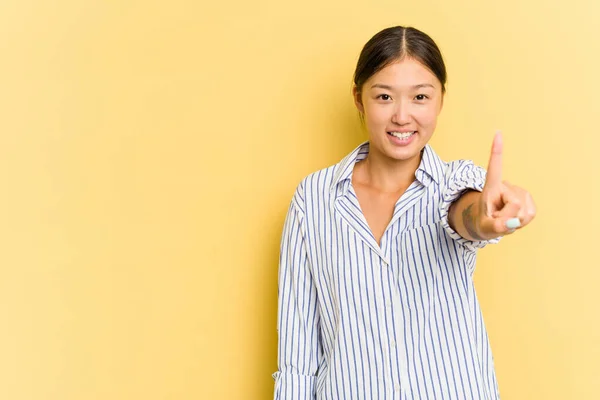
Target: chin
[(404, 155)]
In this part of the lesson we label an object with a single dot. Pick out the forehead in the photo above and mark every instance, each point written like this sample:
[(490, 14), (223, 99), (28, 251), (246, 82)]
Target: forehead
[(407, 72)]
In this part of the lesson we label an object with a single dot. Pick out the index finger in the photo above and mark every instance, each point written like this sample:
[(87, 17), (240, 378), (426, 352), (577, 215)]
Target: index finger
[(494, 172)]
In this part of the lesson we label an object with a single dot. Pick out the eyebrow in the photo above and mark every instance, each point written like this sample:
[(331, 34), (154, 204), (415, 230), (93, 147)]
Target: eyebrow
[(388, 87)]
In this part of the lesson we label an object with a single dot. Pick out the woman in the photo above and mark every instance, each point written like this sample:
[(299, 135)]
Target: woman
[(376, 297)]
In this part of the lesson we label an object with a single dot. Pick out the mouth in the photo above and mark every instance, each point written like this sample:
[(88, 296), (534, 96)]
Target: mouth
[(402, 135)]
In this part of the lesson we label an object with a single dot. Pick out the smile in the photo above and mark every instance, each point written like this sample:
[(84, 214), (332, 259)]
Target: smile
[(402, 135)]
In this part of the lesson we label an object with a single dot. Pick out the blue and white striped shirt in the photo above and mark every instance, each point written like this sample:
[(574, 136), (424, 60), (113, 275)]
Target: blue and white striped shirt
[(400, 320)]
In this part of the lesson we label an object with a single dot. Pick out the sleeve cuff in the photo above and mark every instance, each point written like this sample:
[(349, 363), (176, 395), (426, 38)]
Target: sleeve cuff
[(294, 386)]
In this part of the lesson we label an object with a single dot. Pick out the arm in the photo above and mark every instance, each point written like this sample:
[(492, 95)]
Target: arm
[(298, 321), (463, 216)]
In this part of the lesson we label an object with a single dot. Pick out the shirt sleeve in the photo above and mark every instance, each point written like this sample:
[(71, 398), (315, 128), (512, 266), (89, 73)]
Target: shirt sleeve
[(462, 175), (298, 320)]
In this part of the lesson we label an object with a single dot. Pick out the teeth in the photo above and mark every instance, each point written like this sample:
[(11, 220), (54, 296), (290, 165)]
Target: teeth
[(403, 135)]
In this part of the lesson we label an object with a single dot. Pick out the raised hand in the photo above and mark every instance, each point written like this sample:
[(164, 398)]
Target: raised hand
[(503, 207)]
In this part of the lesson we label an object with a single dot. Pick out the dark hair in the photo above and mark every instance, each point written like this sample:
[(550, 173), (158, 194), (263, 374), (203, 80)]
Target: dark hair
[(394, 44)]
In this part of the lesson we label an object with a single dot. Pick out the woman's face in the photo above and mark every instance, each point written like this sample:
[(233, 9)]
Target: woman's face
[(400, 104)]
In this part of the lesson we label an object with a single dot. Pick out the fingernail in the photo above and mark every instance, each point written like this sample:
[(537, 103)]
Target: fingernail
[(513, 223)]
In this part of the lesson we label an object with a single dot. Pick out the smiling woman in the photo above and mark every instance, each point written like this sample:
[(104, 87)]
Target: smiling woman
[(400, 75), (376, 293), (402, 101)]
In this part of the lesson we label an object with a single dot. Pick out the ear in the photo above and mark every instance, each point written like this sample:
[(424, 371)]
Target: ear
[(442, 103), (358, 99)]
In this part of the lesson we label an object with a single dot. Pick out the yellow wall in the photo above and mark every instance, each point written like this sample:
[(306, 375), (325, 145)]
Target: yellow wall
[(149, 151)]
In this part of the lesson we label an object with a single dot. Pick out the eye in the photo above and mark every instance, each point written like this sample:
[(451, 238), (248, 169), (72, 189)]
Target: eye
[(384, 97), (421, 97)]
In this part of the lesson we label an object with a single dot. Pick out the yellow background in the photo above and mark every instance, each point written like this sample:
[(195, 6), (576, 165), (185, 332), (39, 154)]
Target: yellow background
[(149, 151)]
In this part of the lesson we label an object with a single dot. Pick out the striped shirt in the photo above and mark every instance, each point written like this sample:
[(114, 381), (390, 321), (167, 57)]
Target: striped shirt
[(396, 320)]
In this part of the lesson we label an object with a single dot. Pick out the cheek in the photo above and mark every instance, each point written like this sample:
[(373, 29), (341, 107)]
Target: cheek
[(427, 117), (378, 115)]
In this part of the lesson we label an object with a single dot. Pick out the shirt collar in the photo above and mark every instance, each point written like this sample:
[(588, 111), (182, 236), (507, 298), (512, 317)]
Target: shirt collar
[(430, 169)]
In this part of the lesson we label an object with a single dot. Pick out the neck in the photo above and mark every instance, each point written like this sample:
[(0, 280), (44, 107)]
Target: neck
[(388, 175)]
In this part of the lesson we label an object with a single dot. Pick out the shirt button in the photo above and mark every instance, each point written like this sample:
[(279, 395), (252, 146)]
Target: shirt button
[(397, 388), (393, 343)]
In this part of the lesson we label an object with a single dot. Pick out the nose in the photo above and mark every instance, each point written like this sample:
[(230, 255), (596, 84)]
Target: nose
[(401, 114)]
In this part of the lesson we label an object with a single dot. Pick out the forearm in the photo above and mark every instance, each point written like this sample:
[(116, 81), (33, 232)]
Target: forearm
[(464, 213)]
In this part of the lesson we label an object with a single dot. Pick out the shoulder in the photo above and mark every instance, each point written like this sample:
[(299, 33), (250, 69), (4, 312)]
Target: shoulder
[(461, 169), (315, 186), (461, 175), (318, 187)]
